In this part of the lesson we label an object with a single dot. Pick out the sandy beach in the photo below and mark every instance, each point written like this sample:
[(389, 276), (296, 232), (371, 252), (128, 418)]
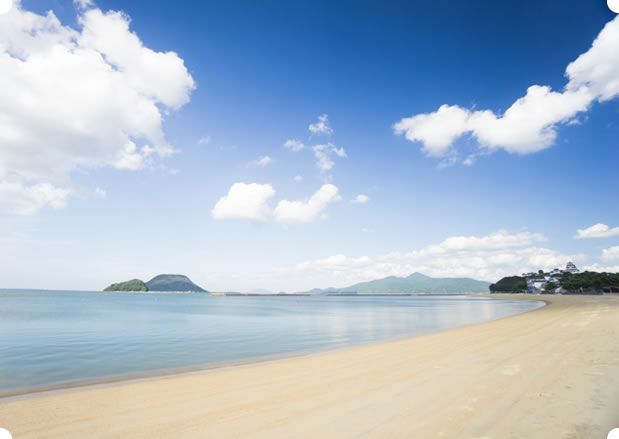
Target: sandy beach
[(548, 373)]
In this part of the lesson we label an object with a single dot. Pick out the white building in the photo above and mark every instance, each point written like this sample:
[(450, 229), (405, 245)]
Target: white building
[(571, 268), (536, 285)]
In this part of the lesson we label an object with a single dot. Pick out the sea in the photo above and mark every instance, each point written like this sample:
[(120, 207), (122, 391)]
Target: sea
[(58, 339)]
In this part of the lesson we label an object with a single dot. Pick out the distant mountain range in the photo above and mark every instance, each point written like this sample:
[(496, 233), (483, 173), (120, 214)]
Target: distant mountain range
[(162, 282), (416, 283)]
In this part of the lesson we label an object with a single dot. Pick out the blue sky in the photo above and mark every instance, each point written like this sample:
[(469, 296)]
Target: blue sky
[(79, 211)]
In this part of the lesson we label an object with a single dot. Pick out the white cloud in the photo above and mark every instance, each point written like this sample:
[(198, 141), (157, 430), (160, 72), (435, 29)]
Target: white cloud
[(487, 257), (305, 211), (294, 145), (17, 199), (245, 201), (497, 240), (84, 4), (298, 178), (530, 124), (322, 126), (598, 68), (79, 98), (437, 131), (324, 155), (597, 231), (100, 193), (160, 76), (470, 160), (261, 161), (610, 254), (205, 140), (250, 201), (601, 268), (360, 199)]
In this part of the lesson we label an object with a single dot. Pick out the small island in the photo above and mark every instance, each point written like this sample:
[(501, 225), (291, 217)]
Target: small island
[(161, 282)]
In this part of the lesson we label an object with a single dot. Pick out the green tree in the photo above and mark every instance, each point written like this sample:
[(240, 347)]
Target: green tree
[(130, 285), (509, 284), (550, 287)]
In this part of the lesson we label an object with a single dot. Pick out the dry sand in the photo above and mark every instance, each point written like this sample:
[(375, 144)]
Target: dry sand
[(549, 373)]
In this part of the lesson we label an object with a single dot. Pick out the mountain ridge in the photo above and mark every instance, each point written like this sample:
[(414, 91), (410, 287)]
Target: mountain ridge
[(415, 283)]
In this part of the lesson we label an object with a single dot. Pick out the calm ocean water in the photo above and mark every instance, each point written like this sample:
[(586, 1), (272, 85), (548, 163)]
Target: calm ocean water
[(50, 339)]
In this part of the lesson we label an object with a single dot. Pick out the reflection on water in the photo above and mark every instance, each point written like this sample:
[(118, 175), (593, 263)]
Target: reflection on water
[(55, 338)]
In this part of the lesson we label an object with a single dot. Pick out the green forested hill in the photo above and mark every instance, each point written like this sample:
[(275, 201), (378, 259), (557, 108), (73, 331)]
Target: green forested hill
[(172, 282), (510, 284), (415, 283), (130, 285)]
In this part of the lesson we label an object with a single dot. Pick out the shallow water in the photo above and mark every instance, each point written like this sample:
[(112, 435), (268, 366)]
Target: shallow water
[(51, 339)]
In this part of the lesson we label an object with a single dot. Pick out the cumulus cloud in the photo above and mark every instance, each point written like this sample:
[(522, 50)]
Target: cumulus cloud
[(321, 126), (19, 199), (261, 161), (602, 268), (84, 4), (487, 257), (250, 201), (305, 211), (294, 145), (610, 254), (437, 130), (245, 201), (360, 199), (530, 124), (597, 231), (79, 98), (324, 154), (598, 68)]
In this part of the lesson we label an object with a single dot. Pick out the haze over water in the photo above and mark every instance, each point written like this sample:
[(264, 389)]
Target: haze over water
[(50, 339)]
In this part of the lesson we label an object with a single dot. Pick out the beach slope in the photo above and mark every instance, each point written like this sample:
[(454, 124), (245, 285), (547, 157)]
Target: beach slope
[(548, 373)]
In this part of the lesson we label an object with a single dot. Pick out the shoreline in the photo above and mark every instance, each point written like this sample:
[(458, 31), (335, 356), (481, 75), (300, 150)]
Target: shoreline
[(97, 383), (549, 372)]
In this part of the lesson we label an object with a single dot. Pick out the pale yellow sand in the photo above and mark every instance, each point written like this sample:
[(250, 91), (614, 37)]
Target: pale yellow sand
[(550, 373)]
